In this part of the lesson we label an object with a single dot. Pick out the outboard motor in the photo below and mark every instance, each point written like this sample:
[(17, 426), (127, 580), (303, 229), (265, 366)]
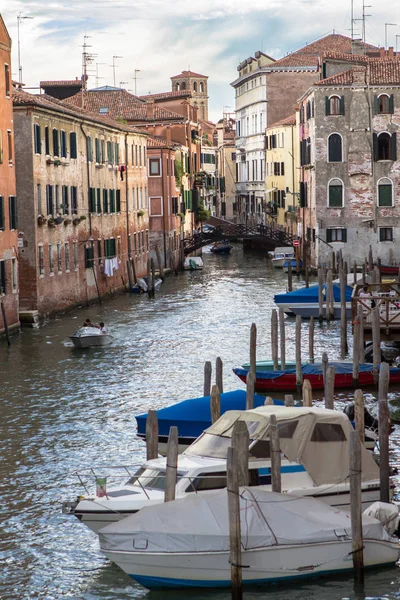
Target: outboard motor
[(387, 514)]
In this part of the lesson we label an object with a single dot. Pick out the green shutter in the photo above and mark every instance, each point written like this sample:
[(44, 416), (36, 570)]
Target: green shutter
[(376, 105), (110, 153), (335, 196), (375, 146), (92, 200), (12, 204), (344, 235), (393, 147), (98, 200), (112, 201), (72, 145), (342, 105), (384, 195), (89, 149), (2, 223), (327, 106), (118, 201), (391, 104), (38, 141), (328, 235), (105, 201), (97, 149), (117, 153)]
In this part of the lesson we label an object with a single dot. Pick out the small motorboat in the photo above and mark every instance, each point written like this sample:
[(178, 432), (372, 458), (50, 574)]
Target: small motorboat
[(311, 465), (307, 298), (141, 286), (293, 263), (221, 248), (185, 543), (193, 263), (90, 337), (281, 255)]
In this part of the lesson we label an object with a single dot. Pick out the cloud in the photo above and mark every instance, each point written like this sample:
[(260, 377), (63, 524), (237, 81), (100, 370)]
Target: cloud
[(163, 38)]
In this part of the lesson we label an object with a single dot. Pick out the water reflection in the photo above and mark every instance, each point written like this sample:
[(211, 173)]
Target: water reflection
[(64, 409)]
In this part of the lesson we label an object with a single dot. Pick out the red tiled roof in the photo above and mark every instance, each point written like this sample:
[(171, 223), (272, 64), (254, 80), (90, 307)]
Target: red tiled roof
[(287, 121), (309, 55), (63, 83), (166, 95), (21, 98), (157, 141), (358, 58), (382, 72), (189, 74)]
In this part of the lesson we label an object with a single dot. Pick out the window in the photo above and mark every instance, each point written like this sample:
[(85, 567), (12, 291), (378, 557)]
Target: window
[(92, 200), (59, 263), (385, 146), (102, 151), (74, 200), (76, 258), (10, 146), (175, 205), (65, 199), (89, 256), (116, 153), (105, 200), (110, 153), (195, 86), (118, 201), (385, 192), (386, 234), (49, 200), (3, 279), (282, 168), (14, 278), (334, 105), (207, 481), (57, 198), (335, 193), (335, 148), (47, 141), (99, 250), (41, 260), (336, 235), (66, 255), (89, 145), (12, 205), (73, 150), (7, 79), (328, 432), (109, 248), (98, 200), (112, 201), (2, 219), (384, 104), (56, 148), (156, 208), (39, 198), (201, 87), (37, 140), (63, 144), (97, 150), (51, 263)]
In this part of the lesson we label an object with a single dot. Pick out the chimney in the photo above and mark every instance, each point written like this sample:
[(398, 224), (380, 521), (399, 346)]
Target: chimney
[(195, 112), (359, 75), (382, 52), (357, 47), (186, 104), (150, 109), (390, 52), (168, 135)]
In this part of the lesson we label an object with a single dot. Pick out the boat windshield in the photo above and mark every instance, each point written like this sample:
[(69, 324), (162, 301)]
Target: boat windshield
[(150, 478), (212, 446)]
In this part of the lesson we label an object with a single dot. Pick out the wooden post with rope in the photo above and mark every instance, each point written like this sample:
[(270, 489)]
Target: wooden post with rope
[(235, 537)]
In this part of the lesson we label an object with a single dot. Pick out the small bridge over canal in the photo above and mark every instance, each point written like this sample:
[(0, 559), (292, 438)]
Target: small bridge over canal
[(269, 237)]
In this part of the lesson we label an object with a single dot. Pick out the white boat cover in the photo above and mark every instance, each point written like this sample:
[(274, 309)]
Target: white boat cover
[(317, 438), (194, 262), (88, 332), (199, 523), (387, 514)]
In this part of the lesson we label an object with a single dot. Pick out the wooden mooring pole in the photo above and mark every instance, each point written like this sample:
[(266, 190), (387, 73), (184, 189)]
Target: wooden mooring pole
[(355, 505), (311, 327), (240, 441), (275, 455), (290, 277), (282, 338), (253, 348), (384, 431), (376, 342), (215, 404), (359, 416), (151, 435), (329, 387), (160, 263), (274, 338), (343, 319), (7, 332), (250, 385), (307, 393), (207, 378), (320, 295), (172, 465), (235, 536), (356, 350), (219, 374), (299, 373)]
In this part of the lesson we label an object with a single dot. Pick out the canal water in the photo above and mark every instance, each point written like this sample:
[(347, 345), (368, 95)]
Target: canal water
[(63, 410)]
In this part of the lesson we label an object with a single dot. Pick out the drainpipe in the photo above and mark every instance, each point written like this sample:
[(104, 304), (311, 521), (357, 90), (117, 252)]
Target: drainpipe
[(165, 208), (371, 128), (127, 197)]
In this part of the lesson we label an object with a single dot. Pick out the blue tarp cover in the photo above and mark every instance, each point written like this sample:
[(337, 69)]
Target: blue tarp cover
[(193, 416), (309, 294), (341, 368)]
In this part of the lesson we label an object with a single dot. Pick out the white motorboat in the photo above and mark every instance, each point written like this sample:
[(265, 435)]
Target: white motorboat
[(315, 447), (185, 543), (280, 255), (89, 337), (193, 263)]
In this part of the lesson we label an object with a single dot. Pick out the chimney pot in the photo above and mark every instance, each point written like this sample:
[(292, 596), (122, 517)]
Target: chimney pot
[(390, 51), (150, 109)]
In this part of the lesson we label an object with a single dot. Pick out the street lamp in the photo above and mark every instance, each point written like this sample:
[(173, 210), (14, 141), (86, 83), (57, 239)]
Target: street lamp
[(20, 17), (386, 26)]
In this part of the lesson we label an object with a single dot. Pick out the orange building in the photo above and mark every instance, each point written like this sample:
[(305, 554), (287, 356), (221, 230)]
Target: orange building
[(8, 201)]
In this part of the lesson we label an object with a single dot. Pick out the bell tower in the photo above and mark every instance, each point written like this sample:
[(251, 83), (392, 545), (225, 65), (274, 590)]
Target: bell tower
[(198, 86)]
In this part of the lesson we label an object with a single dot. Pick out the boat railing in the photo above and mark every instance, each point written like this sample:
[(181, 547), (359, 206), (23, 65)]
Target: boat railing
[(385, 298)]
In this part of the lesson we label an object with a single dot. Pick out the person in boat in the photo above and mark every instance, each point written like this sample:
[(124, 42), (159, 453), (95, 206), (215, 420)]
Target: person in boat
[(102, 327), (88, 323), (365, 293)]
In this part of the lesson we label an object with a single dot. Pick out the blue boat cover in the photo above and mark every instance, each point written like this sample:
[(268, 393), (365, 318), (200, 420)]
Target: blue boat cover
[(309, 294), (193, 416), (341, 368)]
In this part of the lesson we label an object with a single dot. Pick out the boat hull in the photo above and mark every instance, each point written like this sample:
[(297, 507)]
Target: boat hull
[(306, 312), (287, 381), (263, 565), (222, 250), (91, 341)]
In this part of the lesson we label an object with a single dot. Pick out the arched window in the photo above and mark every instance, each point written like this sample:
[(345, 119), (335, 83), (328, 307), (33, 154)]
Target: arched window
[(385, 192), (195, 86), (308, 110), (183, 85), (335, 105), (335, 148), (384, 104), (384, 146), (335, 193), (177, 87), (201, 87)]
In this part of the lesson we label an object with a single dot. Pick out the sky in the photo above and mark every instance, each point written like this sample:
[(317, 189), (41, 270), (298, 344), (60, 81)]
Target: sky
[(161, 38)]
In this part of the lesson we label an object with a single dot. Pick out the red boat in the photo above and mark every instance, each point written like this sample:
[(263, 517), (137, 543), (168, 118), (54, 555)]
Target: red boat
[(285, 381)]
